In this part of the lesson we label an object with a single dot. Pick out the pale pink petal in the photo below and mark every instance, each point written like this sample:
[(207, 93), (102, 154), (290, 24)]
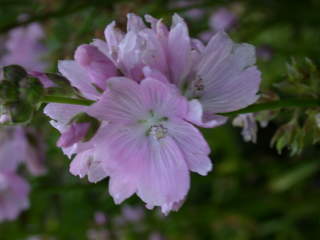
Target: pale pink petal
[(122, 103), (13, 196), (97, 65), (166, 101), (85, 164), (192, 145), (135, 23), (75, 133), (165, 178), (198, 117), (179, 48), (78, 78)]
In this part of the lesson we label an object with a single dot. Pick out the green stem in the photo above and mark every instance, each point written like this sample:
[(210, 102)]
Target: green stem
[(65, 100), (284, 103)]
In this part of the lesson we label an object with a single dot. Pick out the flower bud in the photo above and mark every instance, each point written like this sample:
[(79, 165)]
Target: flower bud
[(14, 73), (82, 128), (31, 90), (9, 92), (19, 112)]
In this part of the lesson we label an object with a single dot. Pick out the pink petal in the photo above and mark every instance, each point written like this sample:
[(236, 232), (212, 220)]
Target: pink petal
[(198, 117), (122, 103), (165, 177), (166, 101), (98, 66), (193, 146), (78, 78), (179, 48)]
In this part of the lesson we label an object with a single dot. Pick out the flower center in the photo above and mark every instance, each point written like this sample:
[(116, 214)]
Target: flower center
[(158, 131), (197, 86)]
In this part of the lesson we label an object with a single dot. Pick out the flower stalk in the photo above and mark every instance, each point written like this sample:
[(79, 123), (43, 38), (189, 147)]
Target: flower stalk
[(258, 107)]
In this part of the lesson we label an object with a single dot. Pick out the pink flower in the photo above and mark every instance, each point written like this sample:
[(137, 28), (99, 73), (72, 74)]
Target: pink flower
[(13, 196), (16, 138), (24, 48), (148, 147), (147, 144), (222, 19), (207, 75)]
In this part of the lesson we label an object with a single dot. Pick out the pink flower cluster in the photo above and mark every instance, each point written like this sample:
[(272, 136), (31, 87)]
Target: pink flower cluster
[(152, 87), (14, 190), (22, 47)]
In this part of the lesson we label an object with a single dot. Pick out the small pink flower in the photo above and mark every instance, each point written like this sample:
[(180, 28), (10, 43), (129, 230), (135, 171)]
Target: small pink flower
[(13, 196)]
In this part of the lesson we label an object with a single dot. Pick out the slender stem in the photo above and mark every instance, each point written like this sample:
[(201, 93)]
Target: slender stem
[(285, 103), (65, 100)]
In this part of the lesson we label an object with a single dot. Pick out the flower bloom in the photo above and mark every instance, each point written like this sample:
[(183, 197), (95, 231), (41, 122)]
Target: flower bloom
[(166, 82), (13, 195)]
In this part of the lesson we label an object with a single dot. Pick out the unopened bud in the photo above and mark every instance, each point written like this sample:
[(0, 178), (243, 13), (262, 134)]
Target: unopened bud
[(20, 112), (9, 91), (14, 73), (31, 90)]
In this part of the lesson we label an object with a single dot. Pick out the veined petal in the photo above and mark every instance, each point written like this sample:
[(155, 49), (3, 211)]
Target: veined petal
[(179, 52), (193, 146), (164, 99), (122, 103), (165, 178), (203, 119), (78, 78)]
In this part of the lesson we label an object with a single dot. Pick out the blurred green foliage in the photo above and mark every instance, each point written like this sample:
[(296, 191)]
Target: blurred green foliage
[(253, 192)]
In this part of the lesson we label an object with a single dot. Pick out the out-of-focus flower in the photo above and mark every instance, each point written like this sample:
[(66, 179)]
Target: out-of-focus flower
[(132, 214), (249, 126), (222, 19), (264, 52), (24, 48), (30, 150), (100, 218), (156, 236), (13, 195), (98, 234)]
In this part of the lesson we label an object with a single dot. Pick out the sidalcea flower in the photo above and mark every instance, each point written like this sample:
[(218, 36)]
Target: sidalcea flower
[(148, 147), (13, 196), (165, 82), (24, 48), (249, 126), (219, 77)]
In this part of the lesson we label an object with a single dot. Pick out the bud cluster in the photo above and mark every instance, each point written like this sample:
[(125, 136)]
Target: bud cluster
[(19, 95)]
